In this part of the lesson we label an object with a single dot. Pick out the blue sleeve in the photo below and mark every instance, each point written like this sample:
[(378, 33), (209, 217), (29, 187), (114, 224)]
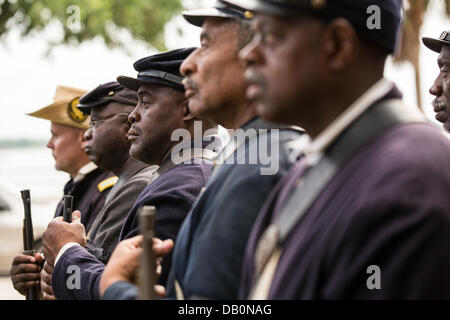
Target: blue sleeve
[(121, 291), (77, 275), (173, 195)]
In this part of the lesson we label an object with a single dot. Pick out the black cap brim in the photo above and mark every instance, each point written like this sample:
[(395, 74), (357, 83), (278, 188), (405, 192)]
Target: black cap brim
[(129, 83), (134, 84), (197, 17), (86, 107), (434, 44), (258, 6)]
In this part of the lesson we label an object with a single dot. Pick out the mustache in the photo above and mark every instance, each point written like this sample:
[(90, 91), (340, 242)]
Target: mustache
[(134, 129), (188, 82), (439, 106), (251, 77)]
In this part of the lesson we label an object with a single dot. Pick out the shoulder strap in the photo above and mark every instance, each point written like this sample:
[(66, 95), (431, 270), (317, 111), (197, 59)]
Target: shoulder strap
[(367, 127), (370, 125), (107, 183), (134, 168)]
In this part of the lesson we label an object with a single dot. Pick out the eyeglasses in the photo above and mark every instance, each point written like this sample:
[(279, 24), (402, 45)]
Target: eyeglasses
[(94, 123)]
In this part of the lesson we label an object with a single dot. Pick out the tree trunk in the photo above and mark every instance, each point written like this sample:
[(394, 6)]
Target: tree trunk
[(411, 43), (416, 66)]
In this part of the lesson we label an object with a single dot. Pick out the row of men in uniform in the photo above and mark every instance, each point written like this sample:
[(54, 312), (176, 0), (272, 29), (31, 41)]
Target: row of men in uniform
[(370, 187)]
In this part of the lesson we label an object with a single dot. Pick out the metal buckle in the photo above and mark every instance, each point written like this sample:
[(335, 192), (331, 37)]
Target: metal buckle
[(445, 36)]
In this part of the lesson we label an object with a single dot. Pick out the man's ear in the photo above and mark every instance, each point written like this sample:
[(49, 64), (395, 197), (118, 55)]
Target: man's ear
[(341, 44), (187, 115)]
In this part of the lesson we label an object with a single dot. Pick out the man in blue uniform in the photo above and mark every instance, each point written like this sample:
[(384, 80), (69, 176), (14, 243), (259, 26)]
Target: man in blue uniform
[(89, 184), (161, 110), (107, 145), (365, 213), (209, 251)]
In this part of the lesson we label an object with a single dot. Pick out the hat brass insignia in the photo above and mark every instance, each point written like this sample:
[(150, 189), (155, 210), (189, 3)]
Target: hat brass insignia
[(249, 14), (74, 113)]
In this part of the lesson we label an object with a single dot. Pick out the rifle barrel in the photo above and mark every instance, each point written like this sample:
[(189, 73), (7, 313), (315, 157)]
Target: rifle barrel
[(29, 237), (68, 208)]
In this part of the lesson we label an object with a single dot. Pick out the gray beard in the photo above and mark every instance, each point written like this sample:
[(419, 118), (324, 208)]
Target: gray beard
[(441, 105)]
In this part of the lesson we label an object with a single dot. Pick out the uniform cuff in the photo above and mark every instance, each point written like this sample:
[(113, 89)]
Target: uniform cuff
[(64, 249)]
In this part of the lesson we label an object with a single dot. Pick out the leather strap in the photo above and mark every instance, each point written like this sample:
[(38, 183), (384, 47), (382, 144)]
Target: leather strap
[(361, 132), (364, 130), (162, 75)]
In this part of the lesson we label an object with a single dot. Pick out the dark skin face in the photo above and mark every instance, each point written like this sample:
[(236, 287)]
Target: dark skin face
[(275, 56), (441, 89), (160, 111), (303, 72), (215, 86), (107, 142)]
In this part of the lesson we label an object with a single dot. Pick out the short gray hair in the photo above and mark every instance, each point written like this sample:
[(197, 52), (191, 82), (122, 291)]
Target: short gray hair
[(244, 33)]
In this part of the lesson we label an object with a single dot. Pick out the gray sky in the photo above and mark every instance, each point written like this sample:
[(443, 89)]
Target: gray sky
[(28, 79)]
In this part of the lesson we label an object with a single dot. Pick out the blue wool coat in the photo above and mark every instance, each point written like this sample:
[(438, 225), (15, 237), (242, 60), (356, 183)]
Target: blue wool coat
[(172, 193)]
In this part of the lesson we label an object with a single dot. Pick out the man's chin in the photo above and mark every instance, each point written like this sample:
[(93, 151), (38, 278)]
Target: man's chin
[(269, 113), (198, 108), (447, 127), (93, 158), (57, 167), (135, 152)]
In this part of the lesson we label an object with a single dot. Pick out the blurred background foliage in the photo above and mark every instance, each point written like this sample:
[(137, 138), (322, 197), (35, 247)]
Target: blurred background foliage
[(85, 19), (145, 20)]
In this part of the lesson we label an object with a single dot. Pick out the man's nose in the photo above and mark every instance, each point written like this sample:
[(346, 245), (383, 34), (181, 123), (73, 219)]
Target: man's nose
[(436, 88), (250, 53), (88, 135), (132, 118), (188, 66), (50, 144)]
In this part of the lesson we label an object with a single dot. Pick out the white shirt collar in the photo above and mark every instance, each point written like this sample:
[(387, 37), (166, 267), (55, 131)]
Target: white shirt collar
[(315, 149), (86, 169)]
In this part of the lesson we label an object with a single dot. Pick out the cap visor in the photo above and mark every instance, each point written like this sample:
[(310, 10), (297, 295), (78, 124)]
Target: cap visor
[(258, 6), (129, 83), (197, 17), (434, 44), (86, 107)]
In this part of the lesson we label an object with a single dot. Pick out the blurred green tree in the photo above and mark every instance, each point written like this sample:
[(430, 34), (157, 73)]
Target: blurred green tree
[(85, 19)]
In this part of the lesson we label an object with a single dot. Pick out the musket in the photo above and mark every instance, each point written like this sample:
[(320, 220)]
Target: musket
[(28, 238), (68, 208), (148, 261)]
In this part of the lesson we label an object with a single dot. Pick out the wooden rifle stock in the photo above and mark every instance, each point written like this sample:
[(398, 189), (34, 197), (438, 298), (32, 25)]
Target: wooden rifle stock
[(148, 261)]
